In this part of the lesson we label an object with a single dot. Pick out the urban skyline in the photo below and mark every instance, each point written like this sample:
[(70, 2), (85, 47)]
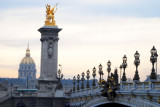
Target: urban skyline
[(92, 33)]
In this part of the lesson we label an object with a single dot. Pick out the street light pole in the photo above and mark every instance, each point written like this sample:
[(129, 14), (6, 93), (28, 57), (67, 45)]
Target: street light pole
[(60, 66), (153, 59), (156, 67), (156, 62), (136, 63), (120, 72), (60, 76), (74, 82), (109, 67), (124, 66), (78, 79), (94, 74), (88, 76), (100, 72), (82, 79)]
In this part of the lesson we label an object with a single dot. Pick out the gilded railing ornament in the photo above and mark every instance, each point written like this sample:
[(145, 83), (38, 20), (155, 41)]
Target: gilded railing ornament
[(50, 15), (109, 88)]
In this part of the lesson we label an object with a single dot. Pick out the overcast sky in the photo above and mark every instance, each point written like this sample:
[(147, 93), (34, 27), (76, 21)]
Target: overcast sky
[(94, 31)]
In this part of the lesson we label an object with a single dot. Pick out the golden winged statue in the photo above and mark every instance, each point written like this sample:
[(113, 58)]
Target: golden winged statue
[(50, 15)]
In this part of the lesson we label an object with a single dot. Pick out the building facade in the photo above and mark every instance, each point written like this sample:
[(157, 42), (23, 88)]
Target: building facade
[(27, 67)]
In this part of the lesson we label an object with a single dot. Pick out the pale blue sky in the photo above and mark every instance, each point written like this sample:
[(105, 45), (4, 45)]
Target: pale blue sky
[(94, 31), (137, 8)]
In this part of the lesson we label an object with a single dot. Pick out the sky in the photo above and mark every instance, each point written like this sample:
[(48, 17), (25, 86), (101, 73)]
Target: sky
[(93, 32)]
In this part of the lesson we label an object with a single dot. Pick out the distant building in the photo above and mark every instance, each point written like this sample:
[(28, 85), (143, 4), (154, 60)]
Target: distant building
[(27, 67), (26, 75)]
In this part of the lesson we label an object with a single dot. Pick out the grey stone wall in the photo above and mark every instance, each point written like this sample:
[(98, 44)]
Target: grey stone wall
[(33, 102)]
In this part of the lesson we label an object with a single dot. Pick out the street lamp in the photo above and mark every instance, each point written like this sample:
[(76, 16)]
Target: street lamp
[(109, 67), (60, 76), (74, 82), (116, 75), (156, 63), (120, 71), (60, 66), (100, 72), (78, 79), (124, 65), (136, 63), (82, 79), (94, 74), (153, 59), (88, 76)]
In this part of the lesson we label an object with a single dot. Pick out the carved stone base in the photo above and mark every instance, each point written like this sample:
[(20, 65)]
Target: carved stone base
[(47, 88)]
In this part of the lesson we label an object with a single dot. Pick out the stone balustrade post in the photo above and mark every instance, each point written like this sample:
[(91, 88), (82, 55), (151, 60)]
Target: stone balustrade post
[(143, 86), (150, 85), (134, 85), (153, 86), (121, 86)]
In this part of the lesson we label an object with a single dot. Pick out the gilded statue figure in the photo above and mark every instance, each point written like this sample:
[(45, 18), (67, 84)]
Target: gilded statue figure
[(50, 15)]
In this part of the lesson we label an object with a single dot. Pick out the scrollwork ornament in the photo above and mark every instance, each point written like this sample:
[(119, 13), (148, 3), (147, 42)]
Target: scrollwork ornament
[(50, 50)]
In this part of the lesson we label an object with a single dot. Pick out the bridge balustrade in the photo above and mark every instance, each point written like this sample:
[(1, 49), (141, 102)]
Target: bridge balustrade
[(87, 91), (140, 86), (134, 94), (146, 85), (156, 85), (83, 96)]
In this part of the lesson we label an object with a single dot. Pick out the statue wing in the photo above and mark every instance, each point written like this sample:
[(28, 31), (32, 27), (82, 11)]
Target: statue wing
[(55, 6)]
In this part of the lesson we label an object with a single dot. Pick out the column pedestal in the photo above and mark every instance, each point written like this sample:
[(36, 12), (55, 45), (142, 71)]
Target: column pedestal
[(48, 81)]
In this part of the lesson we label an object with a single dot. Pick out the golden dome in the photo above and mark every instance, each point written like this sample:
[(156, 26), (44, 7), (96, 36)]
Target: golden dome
[(27, 59)]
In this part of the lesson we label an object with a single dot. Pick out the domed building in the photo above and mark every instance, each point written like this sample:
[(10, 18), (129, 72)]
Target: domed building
[(27, 67), (26, 75)]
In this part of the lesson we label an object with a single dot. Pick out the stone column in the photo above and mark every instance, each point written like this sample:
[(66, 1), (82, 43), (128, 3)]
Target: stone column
[(49, 57)]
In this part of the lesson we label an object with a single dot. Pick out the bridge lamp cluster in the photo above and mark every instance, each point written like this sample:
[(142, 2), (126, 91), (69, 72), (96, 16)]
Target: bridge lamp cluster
[(123, 66)]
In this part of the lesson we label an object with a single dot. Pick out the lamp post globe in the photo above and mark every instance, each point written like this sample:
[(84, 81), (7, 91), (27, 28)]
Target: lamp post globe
[(153, 50), (100, 67), (59, 76), (124, 58), (109, 67)]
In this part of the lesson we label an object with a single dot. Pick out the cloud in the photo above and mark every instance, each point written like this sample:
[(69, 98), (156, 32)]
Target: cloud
[(85, 41), (111, 2)]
